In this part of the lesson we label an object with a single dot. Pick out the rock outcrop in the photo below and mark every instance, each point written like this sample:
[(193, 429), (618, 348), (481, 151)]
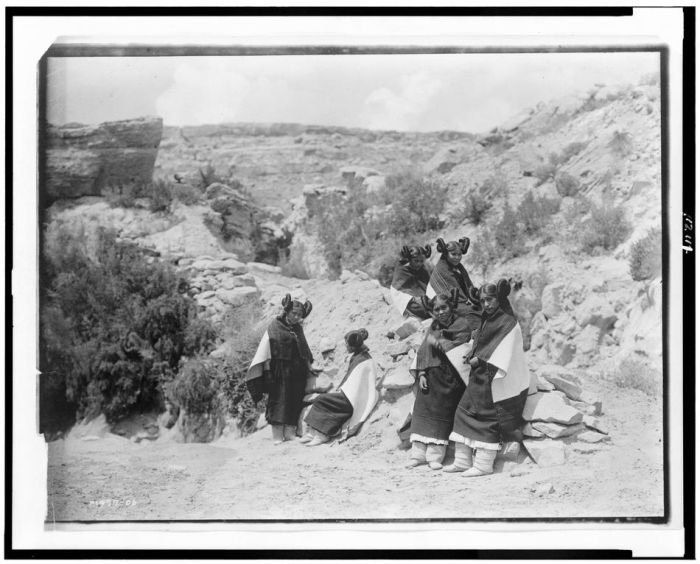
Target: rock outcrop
[(86, 160)]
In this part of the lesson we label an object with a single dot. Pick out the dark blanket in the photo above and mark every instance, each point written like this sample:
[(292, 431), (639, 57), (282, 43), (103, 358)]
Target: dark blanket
[(433, 412), (329, 412), (409, 281), (285, 382), (478, 417)]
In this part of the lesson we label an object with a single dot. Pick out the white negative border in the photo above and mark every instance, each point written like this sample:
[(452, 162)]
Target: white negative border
[(32, 36)]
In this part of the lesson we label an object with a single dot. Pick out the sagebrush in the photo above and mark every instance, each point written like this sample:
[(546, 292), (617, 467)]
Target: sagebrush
[(606, 228), (645, 256)]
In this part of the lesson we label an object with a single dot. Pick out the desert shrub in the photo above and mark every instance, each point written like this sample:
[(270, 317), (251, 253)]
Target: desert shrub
[(292, 263), (476, 207), (416, 203), (576, 210), (571, 150), (161, 194), (208, 175), (605, 229), (243, 333), (636, 374), (125, 195), (355, 228), (566, 184), (186, 193), (483, 253), (548, 170), (508, 235), (620, 143), (195, 388), (645, 256), (494, 186), (114, 323), (534, 214)]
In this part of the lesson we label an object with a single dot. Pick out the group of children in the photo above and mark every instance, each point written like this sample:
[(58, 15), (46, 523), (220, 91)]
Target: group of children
[(471, 376)]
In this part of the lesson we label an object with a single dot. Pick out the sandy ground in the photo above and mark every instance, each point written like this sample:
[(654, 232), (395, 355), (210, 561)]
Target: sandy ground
[(251, 479)]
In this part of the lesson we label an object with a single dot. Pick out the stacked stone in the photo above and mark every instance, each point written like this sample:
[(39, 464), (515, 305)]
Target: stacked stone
[(219, 284), (559, 414)]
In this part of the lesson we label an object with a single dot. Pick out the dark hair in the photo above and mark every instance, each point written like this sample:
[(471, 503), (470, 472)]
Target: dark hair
[(355, 338), (407, 253), (288, 304), (451, 299), (463, 245)]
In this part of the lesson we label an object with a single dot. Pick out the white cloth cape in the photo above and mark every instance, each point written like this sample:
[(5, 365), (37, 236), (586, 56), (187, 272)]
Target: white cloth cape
[(361, 390)]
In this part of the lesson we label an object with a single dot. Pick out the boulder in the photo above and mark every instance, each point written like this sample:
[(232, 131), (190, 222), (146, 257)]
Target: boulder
[(588, 340), (543, 489), (231, 266), (397, 379), (557, 431), (563, 380), (397, 349), (228, 282), (238, 296), (236, 209), (407, 328), (595, 424), (547, 452), (264, 268), (400, 411), (551, 299), (352, 174), (550, 408), (319, 383), (89, 160), (592, 437), (374, 184), (530, 431), (598, 311), (544, 386)]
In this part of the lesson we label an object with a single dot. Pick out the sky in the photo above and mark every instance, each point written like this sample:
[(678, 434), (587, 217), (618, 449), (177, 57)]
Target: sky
[(465, 92)]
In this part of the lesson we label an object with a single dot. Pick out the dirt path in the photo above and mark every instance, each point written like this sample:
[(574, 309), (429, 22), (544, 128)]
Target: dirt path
[(365, 478)]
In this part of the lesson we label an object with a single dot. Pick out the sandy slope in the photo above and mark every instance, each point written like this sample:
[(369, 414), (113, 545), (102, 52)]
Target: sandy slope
[(243, 479)]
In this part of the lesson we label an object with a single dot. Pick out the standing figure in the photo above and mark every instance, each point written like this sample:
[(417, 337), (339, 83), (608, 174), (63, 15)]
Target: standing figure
[(449, 274), (281, 367), (440, 384), (410, 281), (346, 409), (490, 411)]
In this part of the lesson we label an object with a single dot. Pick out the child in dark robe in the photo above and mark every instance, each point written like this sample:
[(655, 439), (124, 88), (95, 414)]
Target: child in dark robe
[(440, 385), (490, 411), (410, 281), (449, 274), (281, 367), (346, 409)]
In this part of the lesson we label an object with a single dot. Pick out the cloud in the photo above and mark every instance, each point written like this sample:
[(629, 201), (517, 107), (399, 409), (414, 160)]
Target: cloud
[(204, 93), (385, 108)]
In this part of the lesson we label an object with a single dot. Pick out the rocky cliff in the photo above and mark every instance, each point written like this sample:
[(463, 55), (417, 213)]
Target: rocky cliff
[(86, 160)]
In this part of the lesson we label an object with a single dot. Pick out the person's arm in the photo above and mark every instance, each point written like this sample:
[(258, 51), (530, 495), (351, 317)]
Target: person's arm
[(423, 382)]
